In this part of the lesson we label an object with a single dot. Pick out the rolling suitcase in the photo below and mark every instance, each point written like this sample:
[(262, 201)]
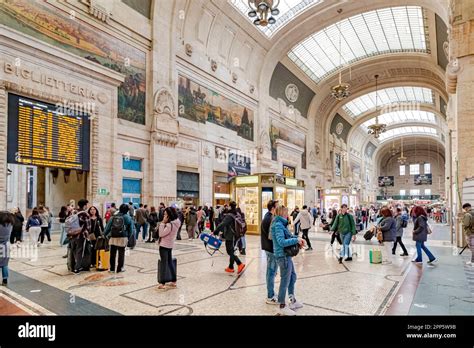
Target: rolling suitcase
[(102, 260), (368, 235), (164, 276)]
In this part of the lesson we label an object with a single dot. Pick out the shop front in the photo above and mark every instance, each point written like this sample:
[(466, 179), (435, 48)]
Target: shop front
[(252, 193), (221, 189), (336, 196), (187, 189)]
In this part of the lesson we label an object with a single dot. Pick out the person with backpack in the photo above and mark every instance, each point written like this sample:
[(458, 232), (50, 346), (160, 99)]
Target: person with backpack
[(141, 223), (282, 238), (110, 212), (468, 227), (229, 228), (304, 220), (267, 246), (118, 230), (167, 235), (344, 224), (33, 227), (420, 236), (401, 222), (78, 229), (314, 213), (242, 241)]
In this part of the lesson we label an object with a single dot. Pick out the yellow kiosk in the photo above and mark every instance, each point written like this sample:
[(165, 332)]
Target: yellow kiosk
[(252, 193)]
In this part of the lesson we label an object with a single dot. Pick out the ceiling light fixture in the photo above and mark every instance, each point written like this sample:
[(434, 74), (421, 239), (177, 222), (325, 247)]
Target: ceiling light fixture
[(341, 90), (263, 10), (377, 128), (402, 159)]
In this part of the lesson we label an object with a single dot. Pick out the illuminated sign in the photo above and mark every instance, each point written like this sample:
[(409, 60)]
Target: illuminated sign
[(291, 182), (289, 172), (249, 179), (40, 135)]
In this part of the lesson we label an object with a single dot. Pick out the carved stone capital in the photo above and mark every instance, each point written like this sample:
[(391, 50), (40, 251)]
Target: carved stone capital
[(164, 138)]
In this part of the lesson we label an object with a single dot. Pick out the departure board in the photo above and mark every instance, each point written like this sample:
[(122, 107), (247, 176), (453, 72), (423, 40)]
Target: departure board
[(41, 134)]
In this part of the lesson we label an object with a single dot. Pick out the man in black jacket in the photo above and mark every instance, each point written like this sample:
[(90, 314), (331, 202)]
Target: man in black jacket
[(227, 226), (267, 245)]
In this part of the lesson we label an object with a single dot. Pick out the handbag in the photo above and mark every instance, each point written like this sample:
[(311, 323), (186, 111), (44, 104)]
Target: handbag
[(131, 241), (102, 243), (379, 235), (292, 250)]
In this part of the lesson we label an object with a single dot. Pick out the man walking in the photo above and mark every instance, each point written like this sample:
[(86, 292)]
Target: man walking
[(267, 246), (345, 226), (79, 237), (468, 226)]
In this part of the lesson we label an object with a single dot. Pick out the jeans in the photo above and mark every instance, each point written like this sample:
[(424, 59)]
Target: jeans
[(77, 247), (121, 257), (470, 242), (288, 278), (305, 236), (242, 243), (63, 234), (229, 246), (144, 231), (399, 241), (178, 235), (297, 229), (314, 219), (167, 263), (346, 245), (419, 255), (272, 267), (5, 272)]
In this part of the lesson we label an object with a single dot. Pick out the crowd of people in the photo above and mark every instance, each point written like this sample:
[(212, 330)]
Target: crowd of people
[(84, 231)]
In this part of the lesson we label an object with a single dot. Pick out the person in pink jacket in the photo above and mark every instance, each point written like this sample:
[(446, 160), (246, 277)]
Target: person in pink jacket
[(167, 235)]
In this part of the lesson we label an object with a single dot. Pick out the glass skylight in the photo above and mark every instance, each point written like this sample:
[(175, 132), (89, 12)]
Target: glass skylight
[(289, 9), (391, 133), (403, 116), (389, 96), (388, 30)]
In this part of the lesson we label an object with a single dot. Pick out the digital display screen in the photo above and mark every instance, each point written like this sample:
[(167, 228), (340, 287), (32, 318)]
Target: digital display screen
[(41, 134)]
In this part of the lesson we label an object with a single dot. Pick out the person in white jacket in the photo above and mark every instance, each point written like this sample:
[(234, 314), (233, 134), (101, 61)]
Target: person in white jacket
[(305, 219)]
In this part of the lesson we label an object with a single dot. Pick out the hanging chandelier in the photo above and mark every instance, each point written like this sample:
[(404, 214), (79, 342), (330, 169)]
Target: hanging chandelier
[(263, 10), (377, 128), (402, 159), (341, 90), (393, 150)]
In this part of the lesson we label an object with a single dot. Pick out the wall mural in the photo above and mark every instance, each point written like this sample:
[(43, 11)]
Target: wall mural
[(283, 132), (45, 22), (201, 104)]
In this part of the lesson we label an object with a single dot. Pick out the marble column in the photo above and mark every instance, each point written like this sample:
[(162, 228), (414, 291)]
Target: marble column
[(460, 84)]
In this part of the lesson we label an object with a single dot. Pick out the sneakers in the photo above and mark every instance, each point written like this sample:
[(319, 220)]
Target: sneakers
[(433, 262), (469, 263), (5, 282), (309, 249), (240, 268), (242, 252), (294, 304), (340, 260), (64, 256), (418, 262), (348, 259), (404, 254), (272, 301), (287, 311), (229, 270)]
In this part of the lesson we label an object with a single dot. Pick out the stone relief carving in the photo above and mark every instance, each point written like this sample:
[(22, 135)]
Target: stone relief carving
[(213, 65), (100, 9), (164, 103), (234, 77), (188, 49), (264, 142)]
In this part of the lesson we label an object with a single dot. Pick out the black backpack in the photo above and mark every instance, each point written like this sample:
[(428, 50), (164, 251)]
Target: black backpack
[(117, 226)]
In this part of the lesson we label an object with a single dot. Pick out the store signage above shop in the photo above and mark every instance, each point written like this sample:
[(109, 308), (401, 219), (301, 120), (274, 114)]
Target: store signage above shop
[(289, 172), (244, 180), (50, 81), (291, 182), (332, 192), (40, 135)]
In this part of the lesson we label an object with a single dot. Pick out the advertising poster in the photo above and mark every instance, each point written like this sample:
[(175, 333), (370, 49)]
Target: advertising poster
[(385, 181), (238, 165), (423, 179), (338, 164)]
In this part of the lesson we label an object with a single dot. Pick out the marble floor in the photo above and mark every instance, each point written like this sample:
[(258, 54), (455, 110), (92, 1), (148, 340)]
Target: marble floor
[(42, 284)]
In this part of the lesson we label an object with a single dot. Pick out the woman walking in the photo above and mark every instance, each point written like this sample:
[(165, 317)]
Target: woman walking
[(304, 219), (44, 216), (387, 225), (97, 230), (33, 227), (420, 235), (17, 227), (282, 238), (399, 234), (167, 234)]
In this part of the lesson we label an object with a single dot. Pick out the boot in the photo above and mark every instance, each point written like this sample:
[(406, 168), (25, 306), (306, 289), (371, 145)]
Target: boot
[(242, 252)]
